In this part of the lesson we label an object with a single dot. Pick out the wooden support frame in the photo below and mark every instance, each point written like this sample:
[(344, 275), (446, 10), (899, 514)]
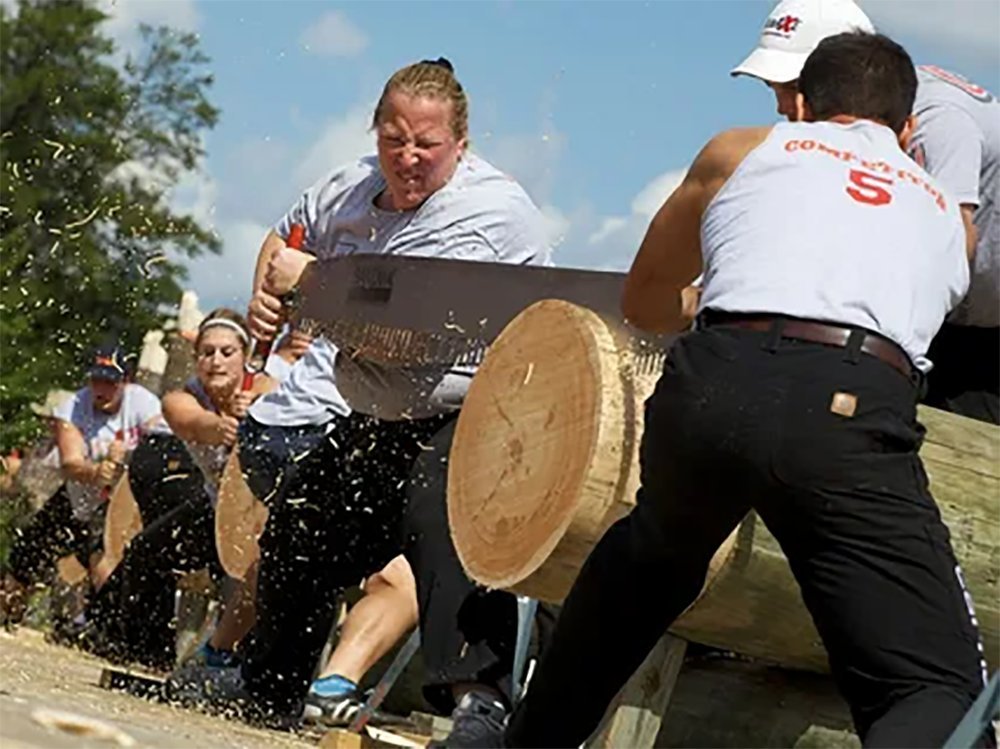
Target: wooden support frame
[(633, 719)]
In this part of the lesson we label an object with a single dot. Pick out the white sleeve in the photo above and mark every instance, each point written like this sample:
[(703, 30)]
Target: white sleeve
[(65, 410), (145, 410), (277, 367), (318, 200)]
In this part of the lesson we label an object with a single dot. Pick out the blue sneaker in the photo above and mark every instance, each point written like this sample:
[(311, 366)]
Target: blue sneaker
[(215, 658)]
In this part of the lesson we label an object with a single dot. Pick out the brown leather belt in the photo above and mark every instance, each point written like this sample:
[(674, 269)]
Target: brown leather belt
[(816, 332)]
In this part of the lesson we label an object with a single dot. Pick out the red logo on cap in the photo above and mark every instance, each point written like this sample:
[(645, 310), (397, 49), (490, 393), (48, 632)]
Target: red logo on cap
[(783, 25)]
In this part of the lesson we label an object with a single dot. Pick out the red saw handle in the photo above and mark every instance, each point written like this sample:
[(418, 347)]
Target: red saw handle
[(262, 349)]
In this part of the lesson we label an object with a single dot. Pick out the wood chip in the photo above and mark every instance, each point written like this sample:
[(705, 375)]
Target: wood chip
[(81, 725)]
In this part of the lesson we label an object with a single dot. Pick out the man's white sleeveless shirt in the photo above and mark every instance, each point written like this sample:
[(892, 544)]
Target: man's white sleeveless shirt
[(835, 223)]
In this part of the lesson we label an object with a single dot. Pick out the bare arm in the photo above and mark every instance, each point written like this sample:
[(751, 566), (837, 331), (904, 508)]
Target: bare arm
[(278, 271), (191, 421), (971, 233), (73, 457), (669, 258), (272, 243)]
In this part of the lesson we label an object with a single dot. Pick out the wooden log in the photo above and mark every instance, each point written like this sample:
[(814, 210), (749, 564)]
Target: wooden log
[(122, 523), (70, 571), (239, 520), (545, 459)]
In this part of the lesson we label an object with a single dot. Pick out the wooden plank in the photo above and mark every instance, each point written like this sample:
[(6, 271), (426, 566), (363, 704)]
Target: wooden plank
[(371, 738), (633, 719), (436, 726), (137, 684), (70, 570), (122, 523), (817, 737)]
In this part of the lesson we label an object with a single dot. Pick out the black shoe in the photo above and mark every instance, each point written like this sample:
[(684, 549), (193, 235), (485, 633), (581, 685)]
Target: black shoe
[(221, 691), (476, 723)]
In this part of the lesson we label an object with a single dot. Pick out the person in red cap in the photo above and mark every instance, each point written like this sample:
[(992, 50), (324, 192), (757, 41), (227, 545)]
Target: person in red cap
[(96, 430)]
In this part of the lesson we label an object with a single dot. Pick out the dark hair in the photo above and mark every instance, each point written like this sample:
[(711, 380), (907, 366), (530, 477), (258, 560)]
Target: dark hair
[(860, 74)]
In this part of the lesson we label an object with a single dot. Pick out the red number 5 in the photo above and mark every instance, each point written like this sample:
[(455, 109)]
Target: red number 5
[(868, 188)]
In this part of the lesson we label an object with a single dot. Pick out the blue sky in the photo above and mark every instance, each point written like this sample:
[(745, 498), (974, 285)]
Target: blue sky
[(596, 107)]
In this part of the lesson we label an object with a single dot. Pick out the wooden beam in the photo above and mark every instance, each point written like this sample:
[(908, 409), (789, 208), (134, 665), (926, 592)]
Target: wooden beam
[(633, 719)]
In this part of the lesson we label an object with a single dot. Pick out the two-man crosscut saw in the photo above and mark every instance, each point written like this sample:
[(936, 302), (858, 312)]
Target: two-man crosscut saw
[(413, 311)]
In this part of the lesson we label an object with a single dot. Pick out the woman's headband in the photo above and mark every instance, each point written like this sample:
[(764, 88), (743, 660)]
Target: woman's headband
[(222, 322)]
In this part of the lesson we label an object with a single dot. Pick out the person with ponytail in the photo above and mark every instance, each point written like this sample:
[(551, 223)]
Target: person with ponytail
[(332, 450)]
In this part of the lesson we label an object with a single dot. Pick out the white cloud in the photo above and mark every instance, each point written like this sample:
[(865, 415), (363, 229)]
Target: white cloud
[(334, 35), (195, 195), (342, 140), (226, 279), (126, 15), (655, 194), (148, 178), (618, 237), (965, 28), (557, 225), (531, 159), (605, 242), (608, 227)]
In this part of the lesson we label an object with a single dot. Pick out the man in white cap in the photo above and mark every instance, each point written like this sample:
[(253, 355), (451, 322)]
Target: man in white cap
[(957, 139), (802, 379)]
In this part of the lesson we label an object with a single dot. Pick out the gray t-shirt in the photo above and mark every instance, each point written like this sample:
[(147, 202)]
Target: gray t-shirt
[(481, 214), (957, 140), (307, 394)]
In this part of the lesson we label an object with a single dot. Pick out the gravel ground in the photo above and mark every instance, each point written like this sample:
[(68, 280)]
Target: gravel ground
[(49, 697)]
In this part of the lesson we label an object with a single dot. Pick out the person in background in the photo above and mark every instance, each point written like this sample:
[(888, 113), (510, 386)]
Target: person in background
[(957, 140), (96, 430), (133, 611)]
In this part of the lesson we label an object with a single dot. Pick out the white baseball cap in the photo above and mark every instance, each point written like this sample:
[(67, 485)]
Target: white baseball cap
[(792, 31)]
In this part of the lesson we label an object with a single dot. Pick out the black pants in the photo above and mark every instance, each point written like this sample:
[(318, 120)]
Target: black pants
[(51, 533), (134, 610), (162, 476), (467, 634), (742, 420), (966, 374), (334, 519)]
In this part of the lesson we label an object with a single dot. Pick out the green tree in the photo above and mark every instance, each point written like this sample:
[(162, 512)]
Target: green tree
[(89, 151)]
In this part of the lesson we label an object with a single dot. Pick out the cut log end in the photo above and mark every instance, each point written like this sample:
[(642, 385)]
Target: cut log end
[(509, 507), (239, 521)]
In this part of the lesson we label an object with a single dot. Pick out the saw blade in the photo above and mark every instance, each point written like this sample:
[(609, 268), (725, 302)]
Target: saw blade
[(406, 311)]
